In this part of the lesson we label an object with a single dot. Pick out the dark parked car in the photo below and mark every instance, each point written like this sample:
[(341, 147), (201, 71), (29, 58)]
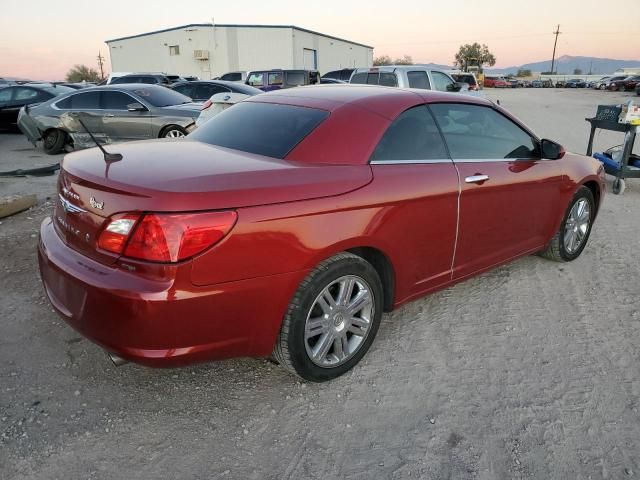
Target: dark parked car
[(14, 97), (203, 90), (239, 76), (575, 83), (6, 81), (268, 80), (343, 74), (638, 89), (112, 113), (147, 78), (331, 81), (631, 82), (286, 225), (616, 83)]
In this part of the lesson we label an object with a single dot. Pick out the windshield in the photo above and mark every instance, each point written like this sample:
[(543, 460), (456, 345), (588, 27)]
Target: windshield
[(263, 128), (161, 96)]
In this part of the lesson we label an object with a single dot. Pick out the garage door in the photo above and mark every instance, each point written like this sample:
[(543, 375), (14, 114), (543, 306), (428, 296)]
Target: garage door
[(310, 59)]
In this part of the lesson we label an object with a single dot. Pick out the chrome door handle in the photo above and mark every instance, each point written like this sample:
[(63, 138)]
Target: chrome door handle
[(109, 115), (476, 179)]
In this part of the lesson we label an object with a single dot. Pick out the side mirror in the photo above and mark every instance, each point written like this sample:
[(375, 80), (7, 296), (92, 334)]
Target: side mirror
[(551, 150), (136, 107), (455, 87)]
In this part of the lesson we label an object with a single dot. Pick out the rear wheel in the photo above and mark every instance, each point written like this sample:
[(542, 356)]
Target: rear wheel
[(572, 236), (174, 131), (53, 141), (332, 319)]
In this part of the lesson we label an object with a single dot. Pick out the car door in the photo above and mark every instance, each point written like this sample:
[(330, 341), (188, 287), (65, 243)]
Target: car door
[(509, 195), (411, 165), (119, 122), (86, 107)]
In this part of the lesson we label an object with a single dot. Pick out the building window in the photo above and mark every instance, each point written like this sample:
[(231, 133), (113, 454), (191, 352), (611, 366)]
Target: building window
[(174, 50)]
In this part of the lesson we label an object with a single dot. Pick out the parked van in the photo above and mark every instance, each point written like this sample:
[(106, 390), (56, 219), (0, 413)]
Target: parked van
[(407, 76), (276, 79)]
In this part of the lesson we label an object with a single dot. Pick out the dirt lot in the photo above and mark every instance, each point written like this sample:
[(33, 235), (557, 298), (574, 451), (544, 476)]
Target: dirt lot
[(529, 371)]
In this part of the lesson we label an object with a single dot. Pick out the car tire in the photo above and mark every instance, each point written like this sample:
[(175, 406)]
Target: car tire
[(53, 141), (572, 236), (173, 131), (319, 351)]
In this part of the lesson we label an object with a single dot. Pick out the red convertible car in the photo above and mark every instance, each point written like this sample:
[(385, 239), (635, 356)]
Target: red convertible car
[(289, 223)]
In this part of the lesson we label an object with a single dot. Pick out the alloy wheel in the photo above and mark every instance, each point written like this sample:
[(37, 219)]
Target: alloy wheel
[(577, 225), (339, 321), (174, 134)]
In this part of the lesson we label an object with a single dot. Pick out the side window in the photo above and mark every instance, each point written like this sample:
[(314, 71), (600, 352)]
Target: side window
[(334, 74), (5, 95), (479, 132), (345, 75), (207, 90), (116, 100), (360, 78), (148, 80), (440, 81), (419, 80), (412, 136), (275, 78), (256, 79), (388, 79), (185, 89), (83, 101), (295, 78), (25, 94)]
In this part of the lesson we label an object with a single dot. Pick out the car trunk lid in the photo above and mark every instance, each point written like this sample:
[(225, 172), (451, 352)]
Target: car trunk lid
[(181, 176)]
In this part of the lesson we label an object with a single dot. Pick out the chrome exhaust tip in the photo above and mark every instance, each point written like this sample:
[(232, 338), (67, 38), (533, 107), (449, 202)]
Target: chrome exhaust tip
[(117, 361)]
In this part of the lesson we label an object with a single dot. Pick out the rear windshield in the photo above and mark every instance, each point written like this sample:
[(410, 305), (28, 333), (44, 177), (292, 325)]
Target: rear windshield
[(161, 96), (262, 128)]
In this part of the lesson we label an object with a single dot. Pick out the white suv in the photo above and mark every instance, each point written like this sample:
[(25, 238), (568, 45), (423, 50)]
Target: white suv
[(407, 76)]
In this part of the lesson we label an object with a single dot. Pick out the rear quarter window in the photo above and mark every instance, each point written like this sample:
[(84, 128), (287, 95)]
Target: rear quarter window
[(262, 128)]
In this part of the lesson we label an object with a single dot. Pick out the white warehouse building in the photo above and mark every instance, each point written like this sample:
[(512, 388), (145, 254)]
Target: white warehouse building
[(208, 50)]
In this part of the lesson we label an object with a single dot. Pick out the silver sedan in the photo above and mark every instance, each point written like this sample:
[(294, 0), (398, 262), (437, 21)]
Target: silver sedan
[(111, 113)]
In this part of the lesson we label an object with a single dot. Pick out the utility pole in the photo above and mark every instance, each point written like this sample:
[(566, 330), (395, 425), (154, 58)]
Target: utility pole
[(553, 58), (101, 63)]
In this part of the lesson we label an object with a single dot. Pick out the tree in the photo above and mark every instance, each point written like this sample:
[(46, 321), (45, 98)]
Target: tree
[(474, 54), (523, 72), (387, 60), (577, 71), (382, 60), (406, 60), (81, 73)]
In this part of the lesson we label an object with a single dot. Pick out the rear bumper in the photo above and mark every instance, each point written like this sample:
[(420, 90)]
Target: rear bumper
[(162, 323)]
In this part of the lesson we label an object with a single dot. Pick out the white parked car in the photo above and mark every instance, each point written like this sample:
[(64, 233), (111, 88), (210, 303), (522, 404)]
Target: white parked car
[(217, 103)]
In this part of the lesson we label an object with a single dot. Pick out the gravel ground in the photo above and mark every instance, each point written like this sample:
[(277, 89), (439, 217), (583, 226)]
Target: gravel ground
[(529, 371)]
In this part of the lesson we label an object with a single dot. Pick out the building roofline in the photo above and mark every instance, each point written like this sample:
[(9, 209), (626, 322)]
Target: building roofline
[(236, 26)]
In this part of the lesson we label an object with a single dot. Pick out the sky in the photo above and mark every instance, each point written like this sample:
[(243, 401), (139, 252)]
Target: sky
[(43, 39)]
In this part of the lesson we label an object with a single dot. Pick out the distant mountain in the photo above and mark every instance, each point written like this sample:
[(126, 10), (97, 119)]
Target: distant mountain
[(567, 64)]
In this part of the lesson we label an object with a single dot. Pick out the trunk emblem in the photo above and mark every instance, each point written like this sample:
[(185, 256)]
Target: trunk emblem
[(70, 207), (96, 204)]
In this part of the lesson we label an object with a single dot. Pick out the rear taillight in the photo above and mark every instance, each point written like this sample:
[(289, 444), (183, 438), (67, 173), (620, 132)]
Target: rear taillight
[(206, 104), (165, 237), (114, 237)]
